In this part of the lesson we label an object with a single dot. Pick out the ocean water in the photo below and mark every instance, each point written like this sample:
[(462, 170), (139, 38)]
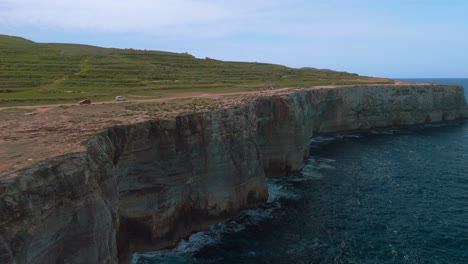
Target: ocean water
[(393, 196)]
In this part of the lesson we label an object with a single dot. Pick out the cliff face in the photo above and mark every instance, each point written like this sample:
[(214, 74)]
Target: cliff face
[(175, 177), (286, 123), (60, 211), (364, 108), (145, 186)]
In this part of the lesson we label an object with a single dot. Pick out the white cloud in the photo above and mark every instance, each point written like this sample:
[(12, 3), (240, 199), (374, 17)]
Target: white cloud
[(136, 15), (218, 18), (294, 32), (189, 18)]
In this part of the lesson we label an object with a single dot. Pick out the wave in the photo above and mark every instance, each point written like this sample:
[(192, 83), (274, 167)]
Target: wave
[(185, 249), (280, 190)]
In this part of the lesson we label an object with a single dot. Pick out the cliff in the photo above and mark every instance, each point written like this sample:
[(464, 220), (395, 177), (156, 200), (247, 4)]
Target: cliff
[(147, 185)]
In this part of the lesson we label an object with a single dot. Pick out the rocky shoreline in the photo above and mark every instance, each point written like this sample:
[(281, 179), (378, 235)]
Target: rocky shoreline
[(145, 186)]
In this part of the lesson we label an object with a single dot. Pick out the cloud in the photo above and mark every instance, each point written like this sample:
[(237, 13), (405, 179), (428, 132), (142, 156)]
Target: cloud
[(136, 16), (219, 19), (192, 18), (338, 34)]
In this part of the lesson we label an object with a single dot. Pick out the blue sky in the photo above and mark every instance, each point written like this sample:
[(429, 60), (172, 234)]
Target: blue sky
[(392, 38)]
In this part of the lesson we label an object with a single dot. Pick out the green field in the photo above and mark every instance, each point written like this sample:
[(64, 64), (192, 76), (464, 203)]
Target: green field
[(44, 73)]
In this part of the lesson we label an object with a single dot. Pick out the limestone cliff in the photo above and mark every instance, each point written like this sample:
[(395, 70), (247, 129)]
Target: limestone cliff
[(145, 186)]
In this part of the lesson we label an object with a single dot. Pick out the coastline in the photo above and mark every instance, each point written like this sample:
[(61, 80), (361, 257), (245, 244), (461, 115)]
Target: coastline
[(110, 180), (30, 134)]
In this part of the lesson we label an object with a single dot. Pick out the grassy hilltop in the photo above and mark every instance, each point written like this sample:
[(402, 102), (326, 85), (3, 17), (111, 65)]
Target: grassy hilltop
[(38, 73)]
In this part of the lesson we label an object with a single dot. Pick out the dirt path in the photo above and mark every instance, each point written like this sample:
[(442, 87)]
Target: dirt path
[(203, 95), (162, 99), (29, 134)]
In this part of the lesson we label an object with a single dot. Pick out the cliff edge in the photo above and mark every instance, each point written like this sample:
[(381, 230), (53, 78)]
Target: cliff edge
[(146, 185)]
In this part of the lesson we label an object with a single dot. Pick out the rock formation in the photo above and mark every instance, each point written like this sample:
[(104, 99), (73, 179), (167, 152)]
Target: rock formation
[(146, 186)]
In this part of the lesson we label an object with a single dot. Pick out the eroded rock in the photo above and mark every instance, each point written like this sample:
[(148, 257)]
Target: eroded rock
[(145, 186)]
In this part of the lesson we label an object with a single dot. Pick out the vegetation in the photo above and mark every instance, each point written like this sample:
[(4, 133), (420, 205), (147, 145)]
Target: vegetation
[(38, 73)]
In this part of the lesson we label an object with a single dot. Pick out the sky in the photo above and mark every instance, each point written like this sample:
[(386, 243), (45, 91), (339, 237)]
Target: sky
[(384, 38)]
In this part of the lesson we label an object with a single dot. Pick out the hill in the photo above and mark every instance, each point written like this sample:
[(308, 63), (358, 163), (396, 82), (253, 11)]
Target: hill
[(38, 73)]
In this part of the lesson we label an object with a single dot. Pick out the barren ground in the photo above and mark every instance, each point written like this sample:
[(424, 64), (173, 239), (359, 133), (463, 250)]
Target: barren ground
[(29, 134)]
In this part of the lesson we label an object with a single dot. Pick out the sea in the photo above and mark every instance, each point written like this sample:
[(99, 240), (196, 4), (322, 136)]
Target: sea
[(386, 196)]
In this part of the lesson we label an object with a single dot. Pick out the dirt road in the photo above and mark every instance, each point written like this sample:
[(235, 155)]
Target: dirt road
[(29, 134)]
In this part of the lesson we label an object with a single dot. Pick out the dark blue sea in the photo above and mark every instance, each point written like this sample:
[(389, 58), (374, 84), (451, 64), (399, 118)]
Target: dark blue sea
[(393, 196)]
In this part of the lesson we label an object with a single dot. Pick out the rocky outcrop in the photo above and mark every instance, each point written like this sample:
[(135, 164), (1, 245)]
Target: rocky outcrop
[(176, 177), (145, 186), (286, 123)]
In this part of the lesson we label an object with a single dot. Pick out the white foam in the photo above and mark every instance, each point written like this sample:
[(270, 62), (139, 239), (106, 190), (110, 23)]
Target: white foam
[(353, 136), (384, 132), (310, 172), (325, 160), (327, 139), (255, 216), (325, 166), (198, 241), (213, 235), (277, 189), (432, 125), (321, 139)]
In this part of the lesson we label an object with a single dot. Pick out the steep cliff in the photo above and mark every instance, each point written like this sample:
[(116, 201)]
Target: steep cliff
[(145, 186), (175, 177)]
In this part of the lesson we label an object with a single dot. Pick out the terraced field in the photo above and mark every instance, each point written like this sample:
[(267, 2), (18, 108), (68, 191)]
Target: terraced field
[(43, 73)]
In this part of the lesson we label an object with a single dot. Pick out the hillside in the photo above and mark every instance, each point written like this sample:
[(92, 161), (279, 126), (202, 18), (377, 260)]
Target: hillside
[(38, 73)]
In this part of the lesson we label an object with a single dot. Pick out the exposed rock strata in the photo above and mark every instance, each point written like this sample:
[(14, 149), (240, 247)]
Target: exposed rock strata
[(145, 186)]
